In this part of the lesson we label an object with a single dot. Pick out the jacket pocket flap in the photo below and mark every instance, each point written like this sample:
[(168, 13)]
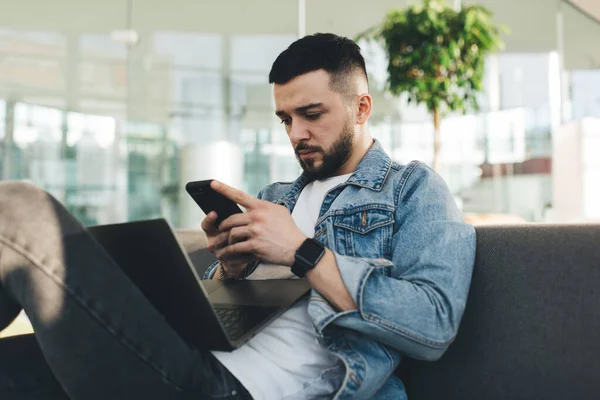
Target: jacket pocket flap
[(364, 221)]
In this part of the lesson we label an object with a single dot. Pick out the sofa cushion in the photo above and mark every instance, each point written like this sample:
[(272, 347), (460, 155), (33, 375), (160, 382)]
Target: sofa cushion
[(532, 321)]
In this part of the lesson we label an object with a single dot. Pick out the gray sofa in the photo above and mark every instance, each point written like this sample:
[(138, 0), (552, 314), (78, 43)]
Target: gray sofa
[(531, 329)]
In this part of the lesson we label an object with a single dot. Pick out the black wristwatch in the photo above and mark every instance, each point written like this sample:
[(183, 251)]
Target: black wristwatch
[(307, 256)]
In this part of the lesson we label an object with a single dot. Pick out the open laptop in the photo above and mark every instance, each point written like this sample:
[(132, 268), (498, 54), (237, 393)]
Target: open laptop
[(207, 314)]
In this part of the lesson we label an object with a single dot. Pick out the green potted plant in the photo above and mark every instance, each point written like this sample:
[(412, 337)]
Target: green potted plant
[(436, 55)]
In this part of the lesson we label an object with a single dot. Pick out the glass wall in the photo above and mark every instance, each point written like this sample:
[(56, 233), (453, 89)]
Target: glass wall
[(113, 106), (113, 116)]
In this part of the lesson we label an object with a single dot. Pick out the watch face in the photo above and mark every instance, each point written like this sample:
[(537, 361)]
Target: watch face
[(311, 251), (307, 256)]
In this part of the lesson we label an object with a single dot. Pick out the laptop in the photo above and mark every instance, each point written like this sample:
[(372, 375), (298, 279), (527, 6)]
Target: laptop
[(207, 314)]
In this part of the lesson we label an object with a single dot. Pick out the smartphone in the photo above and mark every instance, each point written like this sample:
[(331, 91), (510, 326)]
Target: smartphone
[(210, 200)]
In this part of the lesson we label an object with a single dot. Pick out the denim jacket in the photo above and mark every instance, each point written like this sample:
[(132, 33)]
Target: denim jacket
[(406, 257)]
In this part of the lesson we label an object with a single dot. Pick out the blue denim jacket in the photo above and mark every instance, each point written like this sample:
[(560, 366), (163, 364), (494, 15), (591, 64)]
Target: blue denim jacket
[(406, 257)]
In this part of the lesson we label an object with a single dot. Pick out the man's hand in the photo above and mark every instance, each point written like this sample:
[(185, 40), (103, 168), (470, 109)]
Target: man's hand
[(266, 230), (217, 240)]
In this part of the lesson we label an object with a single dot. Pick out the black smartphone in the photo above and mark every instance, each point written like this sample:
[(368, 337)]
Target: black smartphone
[(210, 200)]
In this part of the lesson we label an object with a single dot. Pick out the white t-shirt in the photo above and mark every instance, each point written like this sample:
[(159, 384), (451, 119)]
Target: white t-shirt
[(285, 360)]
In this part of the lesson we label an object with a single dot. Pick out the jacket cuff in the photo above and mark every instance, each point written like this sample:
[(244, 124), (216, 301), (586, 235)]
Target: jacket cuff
[(355, 272), (210, 272)]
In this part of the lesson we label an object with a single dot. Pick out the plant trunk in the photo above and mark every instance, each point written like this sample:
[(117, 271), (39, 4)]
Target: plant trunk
[(436, 141)]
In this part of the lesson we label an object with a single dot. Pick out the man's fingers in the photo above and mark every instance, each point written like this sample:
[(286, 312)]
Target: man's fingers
[(240, 219), (238, 234), (240, 249), (209, 224), (218, 241), (222, 239), (241, 198)]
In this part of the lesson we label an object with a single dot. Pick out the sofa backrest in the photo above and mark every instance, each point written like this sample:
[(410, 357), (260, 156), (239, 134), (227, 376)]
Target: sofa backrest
[(531, 327)]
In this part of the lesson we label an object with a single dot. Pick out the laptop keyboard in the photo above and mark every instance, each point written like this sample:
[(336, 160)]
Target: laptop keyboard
[(237, 321)]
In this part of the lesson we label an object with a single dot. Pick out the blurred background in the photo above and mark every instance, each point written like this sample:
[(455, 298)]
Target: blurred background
[(112, 106)]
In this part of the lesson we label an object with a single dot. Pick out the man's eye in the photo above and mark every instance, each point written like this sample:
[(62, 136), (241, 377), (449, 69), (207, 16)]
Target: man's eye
[(313, 117), (286, 121)]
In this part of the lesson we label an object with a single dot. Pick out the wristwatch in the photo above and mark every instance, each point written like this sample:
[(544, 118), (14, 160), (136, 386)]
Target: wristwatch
[(307, 256)]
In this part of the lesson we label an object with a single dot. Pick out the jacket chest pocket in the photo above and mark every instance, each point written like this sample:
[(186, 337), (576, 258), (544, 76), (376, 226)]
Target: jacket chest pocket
[(364, 233)]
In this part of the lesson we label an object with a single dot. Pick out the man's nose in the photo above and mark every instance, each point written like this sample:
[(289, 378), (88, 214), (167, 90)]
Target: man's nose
[(298, 132)]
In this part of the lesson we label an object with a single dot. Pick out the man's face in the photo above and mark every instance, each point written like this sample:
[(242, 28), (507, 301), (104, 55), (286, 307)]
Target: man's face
[(317, 121)]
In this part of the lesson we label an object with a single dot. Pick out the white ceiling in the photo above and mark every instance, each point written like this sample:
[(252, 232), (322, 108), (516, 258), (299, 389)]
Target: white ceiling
[(532, 22)]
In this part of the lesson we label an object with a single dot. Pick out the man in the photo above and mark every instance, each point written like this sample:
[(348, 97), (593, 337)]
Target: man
[(383, 246), (397, 259)]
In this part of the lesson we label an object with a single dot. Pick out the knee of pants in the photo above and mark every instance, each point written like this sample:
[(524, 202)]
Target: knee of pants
[(17, 197), (18, 191), (27, 208)]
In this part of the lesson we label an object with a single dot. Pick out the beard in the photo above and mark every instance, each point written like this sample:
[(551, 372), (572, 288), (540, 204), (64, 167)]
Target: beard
[(332, 160)]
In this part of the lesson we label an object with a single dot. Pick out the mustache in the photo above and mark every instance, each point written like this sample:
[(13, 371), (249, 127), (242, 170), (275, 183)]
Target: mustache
[(305, 147)]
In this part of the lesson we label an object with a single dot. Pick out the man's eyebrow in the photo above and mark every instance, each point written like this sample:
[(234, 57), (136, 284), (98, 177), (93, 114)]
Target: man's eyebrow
[(301, 109), (307, 107)]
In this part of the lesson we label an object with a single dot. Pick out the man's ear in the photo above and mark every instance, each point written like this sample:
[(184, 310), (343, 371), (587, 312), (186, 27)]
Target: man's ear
[(364, 104)]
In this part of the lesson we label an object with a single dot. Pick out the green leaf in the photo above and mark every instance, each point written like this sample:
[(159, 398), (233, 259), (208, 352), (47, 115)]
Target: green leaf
[(436, 54)]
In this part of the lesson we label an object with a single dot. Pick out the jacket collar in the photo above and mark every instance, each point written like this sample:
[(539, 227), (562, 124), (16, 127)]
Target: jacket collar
[(370, 173), (373, 169)]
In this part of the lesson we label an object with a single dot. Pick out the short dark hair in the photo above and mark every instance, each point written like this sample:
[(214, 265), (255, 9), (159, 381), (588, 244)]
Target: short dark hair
[(337, 55)]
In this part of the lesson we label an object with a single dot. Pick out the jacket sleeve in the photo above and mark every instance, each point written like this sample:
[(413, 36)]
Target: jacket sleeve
[(210, 272), (414, 302)]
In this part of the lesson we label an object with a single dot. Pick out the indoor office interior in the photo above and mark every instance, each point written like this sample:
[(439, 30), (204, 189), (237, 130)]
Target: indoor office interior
[(113, 106)]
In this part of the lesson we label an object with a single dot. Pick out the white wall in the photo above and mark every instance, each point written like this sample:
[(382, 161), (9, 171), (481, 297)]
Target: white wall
[(585, 91), (576, 171)]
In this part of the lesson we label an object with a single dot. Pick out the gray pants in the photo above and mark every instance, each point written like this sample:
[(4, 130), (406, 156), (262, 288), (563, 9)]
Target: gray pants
[(96, 336)]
